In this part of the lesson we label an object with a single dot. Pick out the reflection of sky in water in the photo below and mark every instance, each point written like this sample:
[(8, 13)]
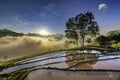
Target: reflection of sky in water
[(69, 75), (11, 69), (89, 51), (69, 60), (62, 53), (108, 64)]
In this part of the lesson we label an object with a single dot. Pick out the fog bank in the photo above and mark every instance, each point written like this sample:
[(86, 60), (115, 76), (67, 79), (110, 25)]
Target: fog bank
[(15, 47)]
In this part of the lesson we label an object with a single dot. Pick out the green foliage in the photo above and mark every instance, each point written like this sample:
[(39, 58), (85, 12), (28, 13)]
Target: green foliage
[(80, 26), (115, 45), (114, 36), (17, 75), (6, 64), (113, 42), (71, 29), (102, 40), (112, 39)]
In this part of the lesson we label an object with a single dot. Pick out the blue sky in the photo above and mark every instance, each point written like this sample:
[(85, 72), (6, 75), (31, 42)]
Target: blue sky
[(34, 15)]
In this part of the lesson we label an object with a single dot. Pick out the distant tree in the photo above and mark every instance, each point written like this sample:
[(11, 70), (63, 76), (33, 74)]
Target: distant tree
[(6, 32), (80, 26), (5, 57), (102, 40), (114, 36)]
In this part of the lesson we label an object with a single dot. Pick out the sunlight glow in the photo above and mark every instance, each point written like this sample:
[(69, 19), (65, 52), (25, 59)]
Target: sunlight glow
[(44, 32)]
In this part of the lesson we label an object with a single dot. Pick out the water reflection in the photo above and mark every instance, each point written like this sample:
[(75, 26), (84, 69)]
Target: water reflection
[(75, 60), (69, 75), (80, 61)]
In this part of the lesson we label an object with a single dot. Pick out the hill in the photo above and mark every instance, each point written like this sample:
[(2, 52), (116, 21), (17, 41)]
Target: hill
[(6, 32)]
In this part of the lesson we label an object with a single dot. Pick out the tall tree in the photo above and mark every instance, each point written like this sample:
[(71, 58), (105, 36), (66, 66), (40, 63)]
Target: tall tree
[(80, 26)]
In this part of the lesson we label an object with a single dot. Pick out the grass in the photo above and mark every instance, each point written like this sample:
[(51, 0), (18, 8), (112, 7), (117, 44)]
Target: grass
[(115, 45), (90, 47), (17, 75), (6, 64)]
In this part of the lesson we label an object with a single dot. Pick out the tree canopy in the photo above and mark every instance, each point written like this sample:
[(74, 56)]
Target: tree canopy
[(80, 26)]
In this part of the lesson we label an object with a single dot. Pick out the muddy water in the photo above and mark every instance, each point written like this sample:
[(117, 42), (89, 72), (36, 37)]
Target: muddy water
[(70, 75)]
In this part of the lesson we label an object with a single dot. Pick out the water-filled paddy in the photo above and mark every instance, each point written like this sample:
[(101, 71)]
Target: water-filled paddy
[(71, 60), (70, 75)]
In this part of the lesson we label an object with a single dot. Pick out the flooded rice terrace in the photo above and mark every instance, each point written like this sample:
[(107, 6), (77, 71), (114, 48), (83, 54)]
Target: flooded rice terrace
[(69, 75), (72, 65)]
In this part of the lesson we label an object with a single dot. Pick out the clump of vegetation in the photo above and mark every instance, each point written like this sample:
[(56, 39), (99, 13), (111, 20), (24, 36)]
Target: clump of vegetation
[(17, 75), (112, 39), (116, 45), (102, 40), (6, 64)]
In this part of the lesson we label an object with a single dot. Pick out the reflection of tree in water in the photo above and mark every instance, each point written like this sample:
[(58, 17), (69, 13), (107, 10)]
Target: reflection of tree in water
[(82, 58)]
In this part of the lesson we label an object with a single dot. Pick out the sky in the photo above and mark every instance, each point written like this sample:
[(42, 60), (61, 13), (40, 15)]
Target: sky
[(34, 15)]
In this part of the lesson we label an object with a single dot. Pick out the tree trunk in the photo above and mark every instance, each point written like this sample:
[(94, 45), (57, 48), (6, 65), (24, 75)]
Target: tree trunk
[(83, 41), (77, 42), (83, 38)]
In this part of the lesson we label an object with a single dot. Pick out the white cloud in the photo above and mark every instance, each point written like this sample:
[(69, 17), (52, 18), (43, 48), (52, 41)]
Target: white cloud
[(49, 10), (49, 7), (102, 6)]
